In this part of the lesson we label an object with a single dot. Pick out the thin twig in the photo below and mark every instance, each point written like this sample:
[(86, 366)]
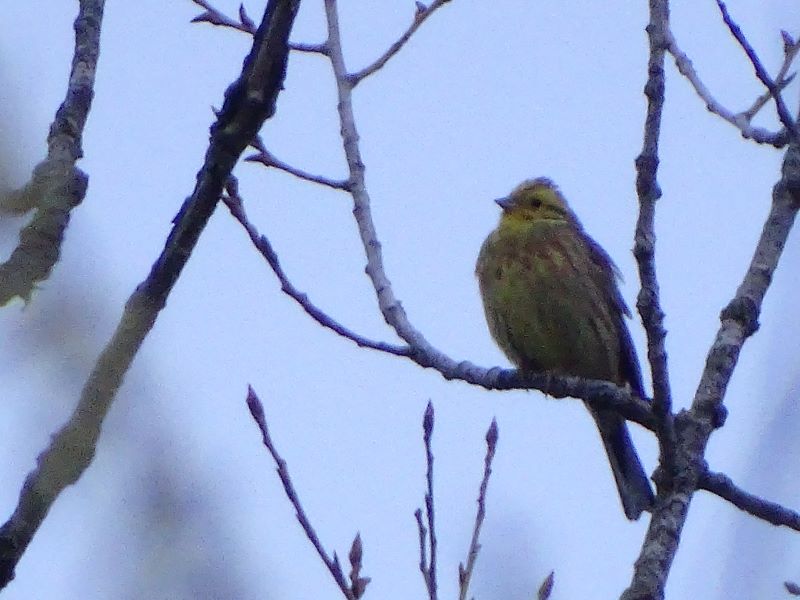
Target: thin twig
[(422, 535), (266, 158), (546, 589), (321, 48), (430, 574), (262, 244), (257, 411), (781, 83), (358, 584), (465, 573), (421, 14), (742, 121), (771, 512), (215, 17), (783, 112)]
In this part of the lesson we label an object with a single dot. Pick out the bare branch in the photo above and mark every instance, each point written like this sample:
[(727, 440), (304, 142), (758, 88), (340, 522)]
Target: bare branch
[(546, 589), (430, 573), (57, 186), (236, 207), (739, 320), (783, 112), (266, 158), (771, 512), (391, 309), (421, 14), (358, 584), (257, 411), (215, 17), (422, 534), (648, 190), (321, 48), (741, 121), (465, 573), (248, 103), (245, 25)]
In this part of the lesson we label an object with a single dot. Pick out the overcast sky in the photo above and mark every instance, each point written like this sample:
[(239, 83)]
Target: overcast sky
[(485, 95)]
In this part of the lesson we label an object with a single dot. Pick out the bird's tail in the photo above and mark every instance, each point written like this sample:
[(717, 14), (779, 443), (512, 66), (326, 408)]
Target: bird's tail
[(632, 481)]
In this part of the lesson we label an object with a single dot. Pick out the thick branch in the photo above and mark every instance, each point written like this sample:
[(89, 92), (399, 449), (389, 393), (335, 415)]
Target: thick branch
[(248, 102), (739, 321), (57, 185)]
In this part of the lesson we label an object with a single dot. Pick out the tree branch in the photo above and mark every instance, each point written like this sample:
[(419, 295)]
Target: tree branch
[(57, 185), (465, 573), (257, 411), (215, 17), (428, 566), (235, 205), (761, 73), (648, 303), (742, 121), (248, 102), (421, 14), (266, 158), (771, 512), (739, 320)]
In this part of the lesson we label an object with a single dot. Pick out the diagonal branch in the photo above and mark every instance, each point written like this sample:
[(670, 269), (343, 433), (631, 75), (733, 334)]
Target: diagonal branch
[(257, 411), (215, 17), (771, 512), (234, 204), (421, 14), (465, 573), (248, 103), (332, 564), (739, 320), (742, 121), (761, 73), (57, 185), (266, 158)]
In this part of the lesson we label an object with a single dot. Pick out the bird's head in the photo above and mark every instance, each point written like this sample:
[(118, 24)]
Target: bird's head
[(535, 200)]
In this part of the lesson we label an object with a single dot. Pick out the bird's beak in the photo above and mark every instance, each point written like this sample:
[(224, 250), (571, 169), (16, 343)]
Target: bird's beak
[(504, 203)]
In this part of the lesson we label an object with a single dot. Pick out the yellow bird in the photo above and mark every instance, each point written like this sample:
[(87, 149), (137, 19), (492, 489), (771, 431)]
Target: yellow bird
[(552, 304)]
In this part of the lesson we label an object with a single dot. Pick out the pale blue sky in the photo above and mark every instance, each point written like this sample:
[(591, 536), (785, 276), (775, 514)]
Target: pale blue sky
[(485, 95)]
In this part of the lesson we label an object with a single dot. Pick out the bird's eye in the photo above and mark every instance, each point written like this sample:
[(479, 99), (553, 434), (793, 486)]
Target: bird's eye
[(536, 203)]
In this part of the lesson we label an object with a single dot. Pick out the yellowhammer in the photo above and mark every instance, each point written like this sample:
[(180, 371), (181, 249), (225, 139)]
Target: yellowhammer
[(552, 304)]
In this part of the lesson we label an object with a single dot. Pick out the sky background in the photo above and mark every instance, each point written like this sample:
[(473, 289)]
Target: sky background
[(182, 500)]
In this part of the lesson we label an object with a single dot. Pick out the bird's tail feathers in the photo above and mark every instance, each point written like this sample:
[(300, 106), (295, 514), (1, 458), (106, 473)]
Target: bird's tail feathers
[(632, 481)]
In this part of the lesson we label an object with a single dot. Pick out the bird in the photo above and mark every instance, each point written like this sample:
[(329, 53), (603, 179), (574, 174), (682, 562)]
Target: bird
[(552, 302)]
